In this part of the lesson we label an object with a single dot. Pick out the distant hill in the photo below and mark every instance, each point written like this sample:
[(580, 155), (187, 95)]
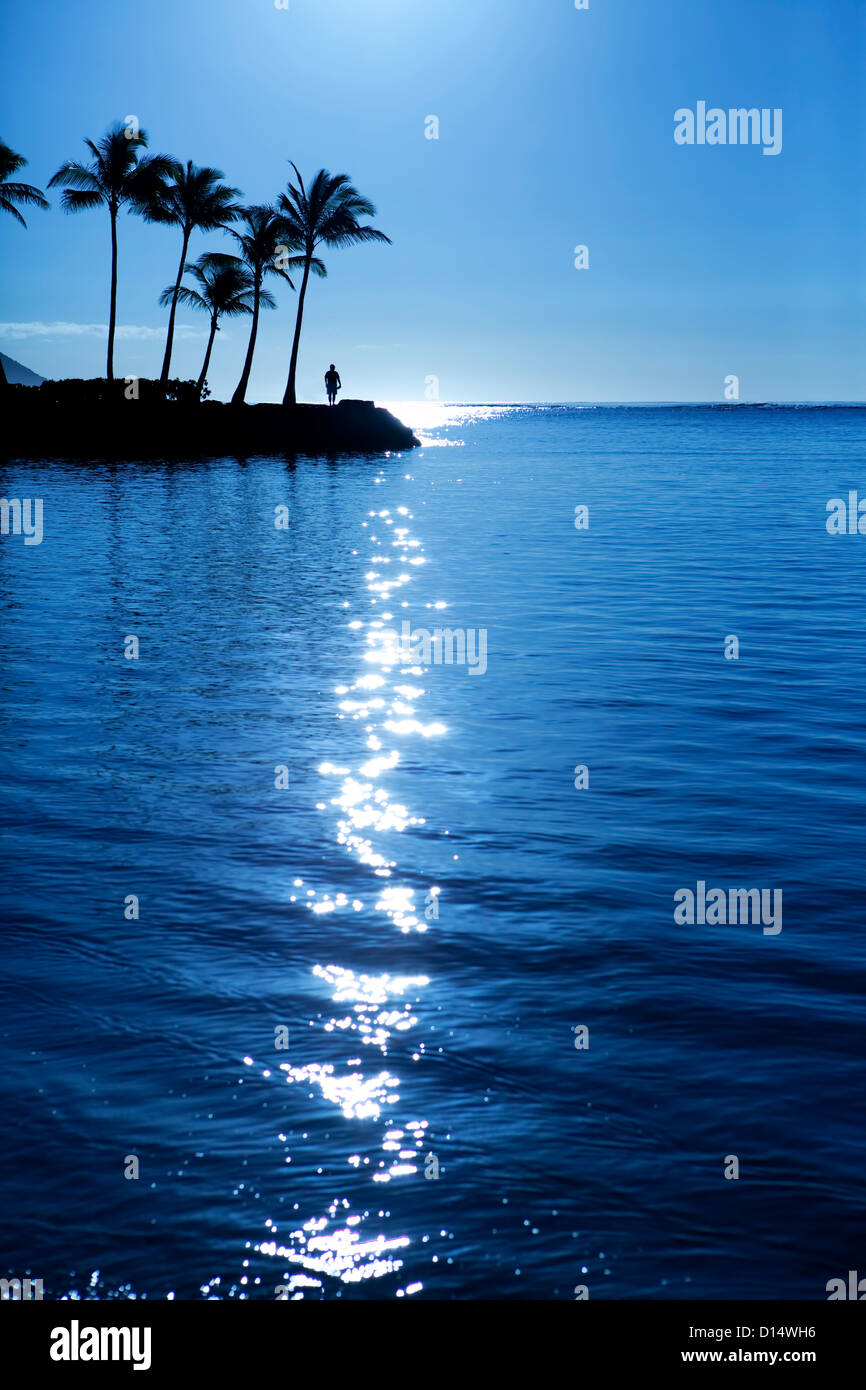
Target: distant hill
[(15, 372)]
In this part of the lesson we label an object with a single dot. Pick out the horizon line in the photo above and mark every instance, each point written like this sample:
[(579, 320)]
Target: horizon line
[(727, 405)]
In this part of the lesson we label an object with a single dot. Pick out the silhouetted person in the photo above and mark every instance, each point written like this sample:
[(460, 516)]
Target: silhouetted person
[(332, 383)]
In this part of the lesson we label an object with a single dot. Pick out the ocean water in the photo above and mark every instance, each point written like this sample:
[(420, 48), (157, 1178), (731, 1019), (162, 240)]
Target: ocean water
[(301, 920)]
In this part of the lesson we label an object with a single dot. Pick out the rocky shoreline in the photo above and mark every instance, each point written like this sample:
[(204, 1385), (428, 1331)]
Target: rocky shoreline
[(134, 429)]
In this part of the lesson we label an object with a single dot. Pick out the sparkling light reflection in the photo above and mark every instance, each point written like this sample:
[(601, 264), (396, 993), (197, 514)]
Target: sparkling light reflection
[(370, 1010)]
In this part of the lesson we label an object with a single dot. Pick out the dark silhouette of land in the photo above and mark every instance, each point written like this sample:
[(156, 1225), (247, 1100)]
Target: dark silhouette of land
[(95, 419)]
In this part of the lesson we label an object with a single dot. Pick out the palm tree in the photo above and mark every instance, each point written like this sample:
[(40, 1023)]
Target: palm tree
[(195, 199), (117, 176), (264, 250), (12, 193), (225, 290), (327, 215)]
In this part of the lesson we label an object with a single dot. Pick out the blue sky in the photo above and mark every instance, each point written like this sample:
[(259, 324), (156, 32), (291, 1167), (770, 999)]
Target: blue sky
[(555, 129)]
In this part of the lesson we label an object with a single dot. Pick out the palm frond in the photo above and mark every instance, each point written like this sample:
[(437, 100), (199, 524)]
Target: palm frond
[(75, 175), (7, 206), (341, 235), (10, 162), (80, 200), (218, 261), (25, 193), (241, 302), (185, 295)]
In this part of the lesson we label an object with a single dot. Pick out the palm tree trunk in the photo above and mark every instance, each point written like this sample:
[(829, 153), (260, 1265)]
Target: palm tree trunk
[(290, 398), (112, 310), (166, 361), (213, 329), (241, 388)]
